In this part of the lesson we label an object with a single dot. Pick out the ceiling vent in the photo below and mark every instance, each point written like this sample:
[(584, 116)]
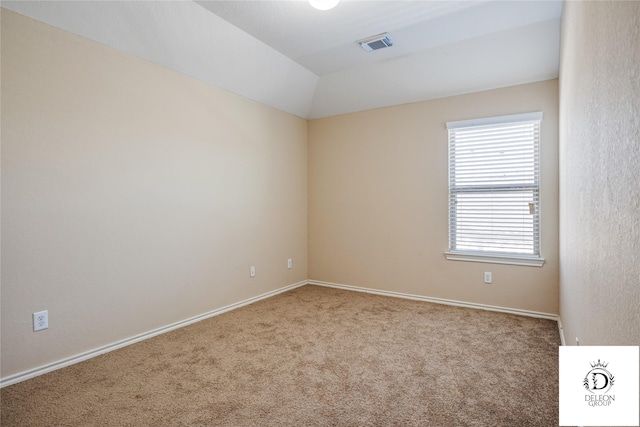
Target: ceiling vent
[(376, 42)]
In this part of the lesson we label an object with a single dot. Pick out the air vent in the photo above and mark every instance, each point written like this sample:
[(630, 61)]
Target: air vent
[(376, 42)]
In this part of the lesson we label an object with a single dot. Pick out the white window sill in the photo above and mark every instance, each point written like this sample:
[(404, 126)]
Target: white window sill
[(495, 259)]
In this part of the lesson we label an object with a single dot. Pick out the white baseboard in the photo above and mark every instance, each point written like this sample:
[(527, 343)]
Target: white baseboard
[(22, 376), (561, 330), (438, 300)]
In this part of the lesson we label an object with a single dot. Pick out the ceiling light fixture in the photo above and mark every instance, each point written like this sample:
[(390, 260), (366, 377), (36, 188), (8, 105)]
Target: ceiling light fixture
[(324, 4)]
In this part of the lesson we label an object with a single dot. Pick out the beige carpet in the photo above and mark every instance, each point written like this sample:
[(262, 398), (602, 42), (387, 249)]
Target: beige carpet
[(316, 357)]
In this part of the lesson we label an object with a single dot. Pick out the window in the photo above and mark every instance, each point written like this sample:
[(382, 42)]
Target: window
[(494, 186)]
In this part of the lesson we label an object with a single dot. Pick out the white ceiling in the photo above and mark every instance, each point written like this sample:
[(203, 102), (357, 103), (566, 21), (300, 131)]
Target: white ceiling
[(325, 42), (290, 56)]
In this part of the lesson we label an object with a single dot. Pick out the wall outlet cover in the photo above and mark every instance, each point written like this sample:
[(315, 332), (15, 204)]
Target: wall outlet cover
[(40, 320)]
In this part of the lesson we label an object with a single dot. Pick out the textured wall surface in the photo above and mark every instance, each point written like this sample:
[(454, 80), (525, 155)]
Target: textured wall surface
[(600, 173), (378, 201), (134, 197)]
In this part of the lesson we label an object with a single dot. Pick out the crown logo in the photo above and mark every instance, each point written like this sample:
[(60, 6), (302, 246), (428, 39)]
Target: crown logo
[(598, 364)]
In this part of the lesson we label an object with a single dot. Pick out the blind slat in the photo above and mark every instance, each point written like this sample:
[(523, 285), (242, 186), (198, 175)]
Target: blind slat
[(494, 186)]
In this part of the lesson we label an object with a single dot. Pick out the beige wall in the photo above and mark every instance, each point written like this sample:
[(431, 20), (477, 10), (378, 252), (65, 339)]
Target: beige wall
[(134, 197), (600, 173), (378, 201)]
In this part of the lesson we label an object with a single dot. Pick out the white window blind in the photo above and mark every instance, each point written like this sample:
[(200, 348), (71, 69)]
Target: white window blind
[(494, 185)]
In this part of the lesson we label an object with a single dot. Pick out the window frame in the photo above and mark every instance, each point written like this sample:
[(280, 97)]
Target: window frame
[(512, 258)]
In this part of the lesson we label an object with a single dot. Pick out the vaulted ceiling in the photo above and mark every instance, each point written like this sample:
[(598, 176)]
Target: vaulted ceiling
[(290, 56)]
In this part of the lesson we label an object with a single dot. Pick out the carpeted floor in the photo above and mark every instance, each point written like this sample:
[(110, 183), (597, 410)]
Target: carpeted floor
[(313, 356)]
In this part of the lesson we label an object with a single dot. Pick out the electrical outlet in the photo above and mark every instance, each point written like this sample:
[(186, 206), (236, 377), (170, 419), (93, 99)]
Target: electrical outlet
[(40, 320), (289, 263), (252, 271), (488, 277)]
